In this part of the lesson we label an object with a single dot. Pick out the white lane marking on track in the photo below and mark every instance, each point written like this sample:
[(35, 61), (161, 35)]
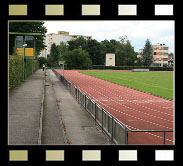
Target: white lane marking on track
[(133, 116), (142, 100), (126, 113), (131, 108), (152, 134), (132, 91)]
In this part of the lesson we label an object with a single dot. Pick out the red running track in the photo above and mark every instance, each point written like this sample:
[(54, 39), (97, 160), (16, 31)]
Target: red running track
[(135, 109)]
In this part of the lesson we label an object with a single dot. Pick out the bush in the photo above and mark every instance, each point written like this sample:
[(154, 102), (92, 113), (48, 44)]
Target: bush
[(16, 69), (30, 66)]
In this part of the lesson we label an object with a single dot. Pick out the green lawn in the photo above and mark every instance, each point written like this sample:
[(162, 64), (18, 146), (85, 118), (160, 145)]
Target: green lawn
[(156, 83)]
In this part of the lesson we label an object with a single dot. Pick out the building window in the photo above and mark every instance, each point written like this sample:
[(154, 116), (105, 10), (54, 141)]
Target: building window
[(154, 53), (159, 53), (165, 48)]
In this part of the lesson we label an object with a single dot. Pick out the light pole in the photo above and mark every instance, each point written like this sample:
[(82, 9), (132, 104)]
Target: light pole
[(24, 45)]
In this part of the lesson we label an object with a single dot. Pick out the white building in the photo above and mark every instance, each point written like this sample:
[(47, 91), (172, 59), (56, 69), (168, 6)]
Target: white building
[(61, 36), (160, 55)]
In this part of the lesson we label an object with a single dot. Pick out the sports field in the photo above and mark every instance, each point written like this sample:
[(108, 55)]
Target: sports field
[(156, 83)]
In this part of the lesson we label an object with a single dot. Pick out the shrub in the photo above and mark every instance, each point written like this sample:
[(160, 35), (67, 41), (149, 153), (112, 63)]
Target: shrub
[(16, 69)]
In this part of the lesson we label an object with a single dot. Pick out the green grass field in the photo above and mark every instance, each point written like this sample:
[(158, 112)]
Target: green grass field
[(156, 83)]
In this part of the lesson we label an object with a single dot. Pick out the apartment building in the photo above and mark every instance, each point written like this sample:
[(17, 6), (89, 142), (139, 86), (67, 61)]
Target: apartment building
[(160, 54), (57, 38)]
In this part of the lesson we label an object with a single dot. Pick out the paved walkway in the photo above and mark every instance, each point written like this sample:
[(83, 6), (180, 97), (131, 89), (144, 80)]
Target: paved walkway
[(79, 127), (52, 129), (64, 121), (24, 110)]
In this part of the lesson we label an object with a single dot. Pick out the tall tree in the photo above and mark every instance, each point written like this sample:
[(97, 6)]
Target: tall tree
[(54, 52), (63, 50), (125, 54), (96, 52), (147, 53), (28, 27), (108, 46), (78, 43)]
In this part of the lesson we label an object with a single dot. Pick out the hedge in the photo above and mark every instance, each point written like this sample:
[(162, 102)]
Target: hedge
[(102, 67), (151, 68), (16, 67)]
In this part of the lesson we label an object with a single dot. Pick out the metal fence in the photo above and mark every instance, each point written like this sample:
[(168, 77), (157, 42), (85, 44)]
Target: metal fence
[(115, 129)]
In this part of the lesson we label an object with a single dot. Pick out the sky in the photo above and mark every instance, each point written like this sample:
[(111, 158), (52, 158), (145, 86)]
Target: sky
[(137, 32)]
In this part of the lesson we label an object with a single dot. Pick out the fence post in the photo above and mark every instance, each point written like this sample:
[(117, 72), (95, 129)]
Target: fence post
[(112, 131), (102, 119), (75, 93), (126, 136), (85, 101), (91, 107), (164, 137), (95, 112), (81, 98), (78, 95)]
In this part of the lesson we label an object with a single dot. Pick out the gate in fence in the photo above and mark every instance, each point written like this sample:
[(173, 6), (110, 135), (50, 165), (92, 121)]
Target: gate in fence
[(117, 131)]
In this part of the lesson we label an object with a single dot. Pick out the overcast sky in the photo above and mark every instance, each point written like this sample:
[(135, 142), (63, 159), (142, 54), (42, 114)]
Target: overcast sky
[(136, 31)]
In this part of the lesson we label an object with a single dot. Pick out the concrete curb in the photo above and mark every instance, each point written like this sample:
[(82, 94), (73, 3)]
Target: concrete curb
[(41, 112)]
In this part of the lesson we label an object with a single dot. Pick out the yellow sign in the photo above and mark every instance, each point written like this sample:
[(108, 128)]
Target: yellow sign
[(19, 51), (28, 51)]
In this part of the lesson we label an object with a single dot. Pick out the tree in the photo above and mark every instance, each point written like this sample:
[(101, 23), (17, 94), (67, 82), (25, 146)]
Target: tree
[(54, 52), (77, 58), (125, 54), (28, 27), (131, 54), (147, 53), (108, 46), (78, 43), (96, 52), (62, 49), (123, 39)]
